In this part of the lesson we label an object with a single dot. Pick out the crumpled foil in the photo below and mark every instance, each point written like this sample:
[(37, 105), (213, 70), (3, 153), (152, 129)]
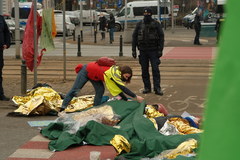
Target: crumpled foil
[(151, 112), (120, 144), (101, 114), (185, 148), (38, 101), (183, 126), (42, 100), (80, 103), (168, 129)]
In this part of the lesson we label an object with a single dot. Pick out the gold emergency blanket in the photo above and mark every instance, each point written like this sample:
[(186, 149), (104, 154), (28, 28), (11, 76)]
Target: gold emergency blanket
[(184, 148), (80, 103), (151, 112), (42, 100), (183, 126), (120, 144)]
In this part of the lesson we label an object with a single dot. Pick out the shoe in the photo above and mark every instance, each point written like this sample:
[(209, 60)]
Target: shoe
[(4, 98), (159, 92), (146, 91)]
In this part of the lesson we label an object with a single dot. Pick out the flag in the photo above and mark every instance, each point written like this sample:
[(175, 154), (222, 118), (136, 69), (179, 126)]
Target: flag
[(28, 40), (48, 29), (220, 140)]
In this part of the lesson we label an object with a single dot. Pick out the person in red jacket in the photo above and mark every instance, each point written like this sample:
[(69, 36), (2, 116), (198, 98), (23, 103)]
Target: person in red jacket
[(94, 73)]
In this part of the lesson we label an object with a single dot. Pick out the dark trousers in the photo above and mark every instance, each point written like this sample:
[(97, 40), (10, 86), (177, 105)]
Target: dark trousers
[(1, 68), (103, 34), (196, 39), (144, 58)]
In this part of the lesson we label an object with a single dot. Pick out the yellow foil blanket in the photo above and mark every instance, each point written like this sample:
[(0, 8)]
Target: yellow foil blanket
[(42, 100), (184, 148), (120, 144)]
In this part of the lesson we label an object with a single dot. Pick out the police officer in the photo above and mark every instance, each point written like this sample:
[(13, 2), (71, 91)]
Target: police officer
[(148, 37), (4, 44), (197, 27)]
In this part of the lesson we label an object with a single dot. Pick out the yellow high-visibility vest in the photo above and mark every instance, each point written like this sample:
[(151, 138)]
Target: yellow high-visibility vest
[(115, 74)]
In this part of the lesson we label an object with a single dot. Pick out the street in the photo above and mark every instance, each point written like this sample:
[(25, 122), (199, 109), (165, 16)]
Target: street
[(185, 73)]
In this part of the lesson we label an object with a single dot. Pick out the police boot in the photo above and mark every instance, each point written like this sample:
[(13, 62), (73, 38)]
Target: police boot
[(159, 92), (146, 91)]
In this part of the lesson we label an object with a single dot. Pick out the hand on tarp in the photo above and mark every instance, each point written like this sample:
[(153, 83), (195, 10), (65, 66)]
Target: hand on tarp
[(139, 99)]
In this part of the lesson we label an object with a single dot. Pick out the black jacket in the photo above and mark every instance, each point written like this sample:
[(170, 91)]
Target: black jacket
[(159, 33), (102, 23), (4, 33), (197, 23), (111, 22)]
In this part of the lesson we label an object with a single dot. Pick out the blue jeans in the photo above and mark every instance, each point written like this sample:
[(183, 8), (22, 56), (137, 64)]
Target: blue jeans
[(111, 34), (80, 81)]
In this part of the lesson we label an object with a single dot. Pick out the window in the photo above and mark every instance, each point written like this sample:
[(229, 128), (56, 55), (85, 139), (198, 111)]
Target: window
[(138, 11), (122, 13), (23, 13)]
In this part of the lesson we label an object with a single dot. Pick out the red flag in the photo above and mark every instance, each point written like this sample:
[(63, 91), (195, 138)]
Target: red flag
[(28, 41)]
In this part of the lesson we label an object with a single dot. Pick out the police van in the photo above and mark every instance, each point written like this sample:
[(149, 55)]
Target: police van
[(135, 12)]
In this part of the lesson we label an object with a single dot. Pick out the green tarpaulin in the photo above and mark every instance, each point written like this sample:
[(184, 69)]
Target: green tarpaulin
[(145, 140)]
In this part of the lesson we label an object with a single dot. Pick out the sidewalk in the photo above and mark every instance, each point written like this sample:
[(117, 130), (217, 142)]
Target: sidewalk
[(181, 37), (37, 149)]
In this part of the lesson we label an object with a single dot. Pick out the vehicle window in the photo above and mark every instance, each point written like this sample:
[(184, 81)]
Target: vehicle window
[(122, 13), (138, 11), (164, 10), (23, 13)]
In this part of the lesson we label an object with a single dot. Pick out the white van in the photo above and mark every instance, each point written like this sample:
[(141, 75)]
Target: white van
[(24, 11), (135, 11), (59, 24)]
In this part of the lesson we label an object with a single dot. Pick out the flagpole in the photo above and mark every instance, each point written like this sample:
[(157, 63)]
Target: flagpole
[(35, 39), (64, 41), (17, 30), (125, 21)]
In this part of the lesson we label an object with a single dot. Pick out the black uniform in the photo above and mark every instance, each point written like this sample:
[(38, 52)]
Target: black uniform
[(148, 37), (4, 40), (197, 27)]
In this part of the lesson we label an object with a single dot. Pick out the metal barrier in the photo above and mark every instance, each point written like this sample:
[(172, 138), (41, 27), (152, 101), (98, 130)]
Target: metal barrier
[(121, 46), (79, 54), (23, 77)]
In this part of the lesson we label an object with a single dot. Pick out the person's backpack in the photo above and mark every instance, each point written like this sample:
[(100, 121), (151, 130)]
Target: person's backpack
[(105, 61)]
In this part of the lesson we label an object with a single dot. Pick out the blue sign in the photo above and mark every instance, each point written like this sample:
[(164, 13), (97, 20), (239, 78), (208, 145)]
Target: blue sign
[(119, 3)]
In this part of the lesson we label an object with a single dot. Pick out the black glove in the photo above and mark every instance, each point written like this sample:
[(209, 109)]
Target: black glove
[(134, 54), (159, 54)]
